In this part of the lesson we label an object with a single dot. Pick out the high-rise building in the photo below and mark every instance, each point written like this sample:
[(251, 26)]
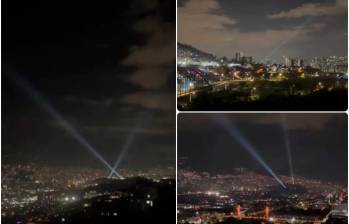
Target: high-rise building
[(238, 56), (249, 59), (301, 62), (330, 64), (314, 62), (287, 61)]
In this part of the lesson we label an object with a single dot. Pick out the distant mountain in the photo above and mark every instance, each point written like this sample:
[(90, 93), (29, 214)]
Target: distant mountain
[(135, 185), (189, 52)]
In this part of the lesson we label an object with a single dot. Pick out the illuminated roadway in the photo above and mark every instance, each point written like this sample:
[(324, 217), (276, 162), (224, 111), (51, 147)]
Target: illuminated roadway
[(260, 216), (219, 83)]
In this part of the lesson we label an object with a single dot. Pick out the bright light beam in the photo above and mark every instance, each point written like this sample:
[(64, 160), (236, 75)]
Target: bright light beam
[(235, 133), (287, 144), (289, 38), (40, 101), (126, 146), (123, 152)]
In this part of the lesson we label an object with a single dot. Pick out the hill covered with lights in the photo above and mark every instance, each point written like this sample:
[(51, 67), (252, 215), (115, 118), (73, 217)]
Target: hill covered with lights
[(187, 54)]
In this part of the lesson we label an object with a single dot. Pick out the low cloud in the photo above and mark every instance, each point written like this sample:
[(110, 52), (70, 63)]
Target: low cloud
[(202, 17), (149, 100), (153, 61), (295, 121), (301, 121), (128, 130), (313, 9)]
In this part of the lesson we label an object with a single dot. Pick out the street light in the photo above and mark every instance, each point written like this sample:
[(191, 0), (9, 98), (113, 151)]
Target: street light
[(191, 87)]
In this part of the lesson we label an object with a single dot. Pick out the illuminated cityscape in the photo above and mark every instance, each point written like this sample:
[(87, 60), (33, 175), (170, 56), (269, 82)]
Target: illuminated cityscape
[(275, 56), (39, 194), (206, 82), (249, 196), (88, 113), (174, 111), (242, 174)]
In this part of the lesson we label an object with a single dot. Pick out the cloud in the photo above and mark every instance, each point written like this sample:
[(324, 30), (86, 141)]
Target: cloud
[(153, 61), (300, 121), (202, 24), (202, 16), (313, 9), (112, 130), (295, 121), (149, 100)]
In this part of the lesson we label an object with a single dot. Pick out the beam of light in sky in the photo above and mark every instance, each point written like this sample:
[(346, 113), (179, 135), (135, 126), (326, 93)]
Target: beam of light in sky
[(126, 147), (287, 144), (40, 100), (236, 134), (289, 38), (123, 152)]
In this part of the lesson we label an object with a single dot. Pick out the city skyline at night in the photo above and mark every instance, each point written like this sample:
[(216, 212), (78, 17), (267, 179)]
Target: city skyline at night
[(262, 168), (175, 111), (88, 112), (316, 139), (251, 55)]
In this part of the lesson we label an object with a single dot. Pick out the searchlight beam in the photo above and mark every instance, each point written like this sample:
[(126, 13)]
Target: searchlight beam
[(236, 134), (287, 144), (40, 101), (126, 146)]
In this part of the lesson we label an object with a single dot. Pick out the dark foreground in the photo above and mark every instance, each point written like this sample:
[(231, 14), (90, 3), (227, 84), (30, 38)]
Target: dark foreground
[(133, 200), (226, 100)]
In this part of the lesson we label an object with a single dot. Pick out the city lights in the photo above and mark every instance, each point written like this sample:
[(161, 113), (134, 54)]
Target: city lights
[(224, 83), (227, 182)]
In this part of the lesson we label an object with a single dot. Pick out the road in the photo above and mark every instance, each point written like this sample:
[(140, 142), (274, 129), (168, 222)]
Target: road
[(216, 84)]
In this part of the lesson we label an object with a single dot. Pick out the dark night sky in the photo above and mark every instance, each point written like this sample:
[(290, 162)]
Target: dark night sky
[(100, 68), (318, 143), (265, 29)]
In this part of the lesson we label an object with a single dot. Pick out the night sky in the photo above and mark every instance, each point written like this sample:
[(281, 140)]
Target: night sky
[(265, 29), (318, 144), (104, 69)]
